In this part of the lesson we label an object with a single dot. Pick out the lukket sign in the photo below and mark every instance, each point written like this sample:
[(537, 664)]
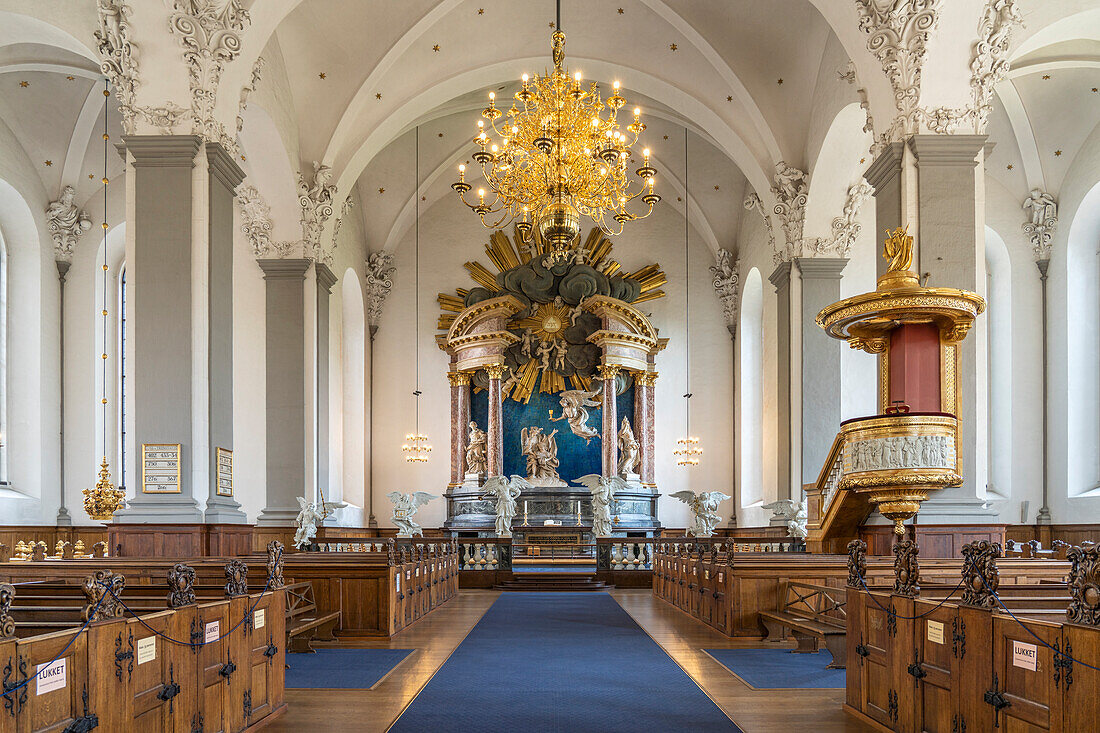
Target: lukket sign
[(52, 676)]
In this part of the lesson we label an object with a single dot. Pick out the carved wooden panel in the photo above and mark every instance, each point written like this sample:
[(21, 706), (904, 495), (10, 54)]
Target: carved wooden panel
[(215, 666), (876, 675), (1025, 676), (55, 700), (854, 642), (974, 640), (937, 707), (1081, 702)]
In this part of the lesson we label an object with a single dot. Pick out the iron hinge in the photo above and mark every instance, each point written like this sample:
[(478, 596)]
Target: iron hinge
[(958, 637), (85, 723), (124, 656), (1063, 665)]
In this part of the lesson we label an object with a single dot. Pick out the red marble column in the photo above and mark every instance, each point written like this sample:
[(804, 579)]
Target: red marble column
[(460, 419), (609, 439), (495, 428), (644, 383)]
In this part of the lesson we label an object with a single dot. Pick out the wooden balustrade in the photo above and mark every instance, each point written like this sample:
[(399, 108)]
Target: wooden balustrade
[(978, 654)]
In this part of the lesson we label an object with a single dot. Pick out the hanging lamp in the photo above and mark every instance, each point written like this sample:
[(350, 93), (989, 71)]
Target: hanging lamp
[(416, 447), (104, 500), (688, 452)]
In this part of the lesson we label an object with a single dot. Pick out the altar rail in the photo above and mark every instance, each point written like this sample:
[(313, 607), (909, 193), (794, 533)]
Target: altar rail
[(376, 593), (979, 656), (727, 588), (215, 665)]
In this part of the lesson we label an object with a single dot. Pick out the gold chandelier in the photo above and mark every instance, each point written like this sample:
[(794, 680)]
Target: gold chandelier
[(559, 157)]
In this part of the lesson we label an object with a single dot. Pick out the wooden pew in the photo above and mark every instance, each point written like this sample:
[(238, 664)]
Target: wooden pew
[(814, 613), (215, 665), (992, 657), (303, 622)]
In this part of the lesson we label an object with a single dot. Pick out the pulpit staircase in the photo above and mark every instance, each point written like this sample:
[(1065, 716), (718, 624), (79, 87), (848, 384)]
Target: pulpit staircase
[(833, 515)]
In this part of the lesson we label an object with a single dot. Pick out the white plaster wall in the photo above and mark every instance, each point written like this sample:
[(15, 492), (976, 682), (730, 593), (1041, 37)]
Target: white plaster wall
[(450, 236)]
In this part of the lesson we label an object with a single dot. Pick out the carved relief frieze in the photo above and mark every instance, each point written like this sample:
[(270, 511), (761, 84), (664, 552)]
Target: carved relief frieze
[(1084, 586), (101, 591), (275, 564), (210, 33), (906, 569), (857, 563), (899, 452), (118, 57), (980, 575), (181, 581), (379, 282), (236, 578), (726, 284)]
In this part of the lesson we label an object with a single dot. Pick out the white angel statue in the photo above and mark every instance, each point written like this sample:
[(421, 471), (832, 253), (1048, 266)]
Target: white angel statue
[(312, 514), (573, 410), (505, 492), (404, 507), (705, 506), (603, 490)]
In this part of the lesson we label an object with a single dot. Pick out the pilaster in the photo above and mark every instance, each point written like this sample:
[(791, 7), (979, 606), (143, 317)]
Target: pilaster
[(644, 385), (821, 380), (495, 428), (781, 279), (160, 260), (325, 280), (609, 444), (286, 388), (460, 424)]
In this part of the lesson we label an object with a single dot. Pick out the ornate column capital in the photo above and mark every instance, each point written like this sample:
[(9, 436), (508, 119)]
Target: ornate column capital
[(458, 379), (495, 371), (379, 282), (608, 371), (645, 379), (726, 282)]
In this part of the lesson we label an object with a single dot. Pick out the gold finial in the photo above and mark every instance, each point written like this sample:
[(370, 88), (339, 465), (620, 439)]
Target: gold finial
[(898, 248)]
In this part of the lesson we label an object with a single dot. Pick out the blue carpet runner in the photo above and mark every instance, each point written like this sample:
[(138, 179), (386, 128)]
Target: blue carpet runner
[(560, 662), (780, 669), (345, 669)]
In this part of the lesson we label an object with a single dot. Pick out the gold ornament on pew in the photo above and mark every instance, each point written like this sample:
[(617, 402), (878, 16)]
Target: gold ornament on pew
[(78, 550), (104, 500)]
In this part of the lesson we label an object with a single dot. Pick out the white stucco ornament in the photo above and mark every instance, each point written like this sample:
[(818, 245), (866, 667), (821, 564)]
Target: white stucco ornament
[(66, 222)]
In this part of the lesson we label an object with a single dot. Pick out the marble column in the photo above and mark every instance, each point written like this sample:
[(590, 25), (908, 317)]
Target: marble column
[(495, 428), (609, 443), (460, 421), (644, 383), (821, 354), (286, 389), (325, 281), (781, 279)]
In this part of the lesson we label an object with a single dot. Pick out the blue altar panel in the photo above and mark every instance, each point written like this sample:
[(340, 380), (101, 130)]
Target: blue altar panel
[(576, 458)]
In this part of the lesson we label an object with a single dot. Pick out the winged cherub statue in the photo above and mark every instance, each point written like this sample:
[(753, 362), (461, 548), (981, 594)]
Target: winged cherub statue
[(312, 514), (573, 410), (404, 507), (705, 506), (603, 490), (505, 492)]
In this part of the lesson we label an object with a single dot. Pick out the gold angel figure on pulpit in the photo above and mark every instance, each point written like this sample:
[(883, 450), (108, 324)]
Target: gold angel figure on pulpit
[(898, 248)]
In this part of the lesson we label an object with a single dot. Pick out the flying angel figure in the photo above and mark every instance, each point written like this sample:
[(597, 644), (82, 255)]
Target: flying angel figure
[(603, 490), (312, 514), (705, 507), (404, 507), (573, 410)]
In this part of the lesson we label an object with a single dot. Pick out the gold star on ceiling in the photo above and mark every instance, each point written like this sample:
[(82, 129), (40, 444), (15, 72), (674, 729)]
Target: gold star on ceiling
[(780, 81), (729, 98), (91, 175), (672, 47), (242, 157), (378, 95), (436, 48), (551, 24), (481, 11), (423, 198), (321, 75), (1057, 152), (441, 134), (862, 160), (621, 11), (70, 77), (24, 84), (716, 188), (679, 199), (1046, 77), (666, 137), (381, 190), (1008, 167), (1096, 89), (49, 162)]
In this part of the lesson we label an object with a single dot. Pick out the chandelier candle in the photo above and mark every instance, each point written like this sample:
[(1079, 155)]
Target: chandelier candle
[(561, 156)]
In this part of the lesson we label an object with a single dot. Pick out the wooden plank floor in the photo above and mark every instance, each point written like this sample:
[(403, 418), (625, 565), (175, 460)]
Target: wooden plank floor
[(435, 637)]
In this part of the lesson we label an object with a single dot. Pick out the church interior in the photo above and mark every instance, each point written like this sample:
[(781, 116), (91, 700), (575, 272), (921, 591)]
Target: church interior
[(408, 365)]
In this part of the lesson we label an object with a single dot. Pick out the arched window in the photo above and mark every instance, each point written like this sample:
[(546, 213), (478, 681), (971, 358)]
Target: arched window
[(751, 363)]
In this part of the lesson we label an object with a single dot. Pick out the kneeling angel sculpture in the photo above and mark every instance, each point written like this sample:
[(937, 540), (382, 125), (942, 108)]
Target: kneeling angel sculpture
[(505, 493), (404, 507), (705, 507), (312, 514)]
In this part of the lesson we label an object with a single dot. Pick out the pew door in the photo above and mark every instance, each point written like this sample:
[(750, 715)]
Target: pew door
[(150, 676), (9, 667), (1024, 674), (706, 594), (260, 647), (937, 706), (721, 609), (973, 637), (854, 642), (238, 695), (216, 666), (59, 696), (876, 685), (1081, 704)]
